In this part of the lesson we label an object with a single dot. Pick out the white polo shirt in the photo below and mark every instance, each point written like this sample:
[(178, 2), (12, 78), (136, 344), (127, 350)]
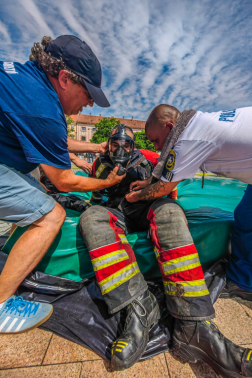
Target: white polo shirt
[(217, 142)]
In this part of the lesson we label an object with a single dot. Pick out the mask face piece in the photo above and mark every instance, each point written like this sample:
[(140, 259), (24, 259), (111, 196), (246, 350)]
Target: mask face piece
[(121, 145)]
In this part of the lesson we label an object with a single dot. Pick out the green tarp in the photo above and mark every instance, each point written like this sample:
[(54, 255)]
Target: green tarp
[(210, 216)]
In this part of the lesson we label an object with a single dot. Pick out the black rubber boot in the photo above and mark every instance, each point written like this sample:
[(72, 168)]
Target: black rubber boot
[(142, 313), (233, 291), (194, 340)]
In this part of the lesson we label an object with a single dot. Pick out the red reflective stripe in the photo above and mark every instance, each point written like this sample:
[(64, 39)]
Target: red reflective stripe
[(130, 251), (93, 168), (107, 272), (115, 228), (177, 252), (174, 194), (105, 250), (154, 232), (118, 245), (187, 275)]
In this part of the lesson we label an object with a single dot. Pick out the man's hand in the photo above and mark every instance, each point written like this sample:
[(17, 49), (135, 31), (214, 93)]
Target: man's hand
[(137, 185), (151, 192), (103, 146), (132, 197), (113, 178), (84, 165)]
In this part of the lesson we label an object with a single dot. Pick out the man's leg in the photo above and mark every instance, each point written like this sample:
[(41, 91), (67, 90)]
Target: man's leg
[(239, 270), (24, 202), (121, 283), (188, 300), (29, 250)]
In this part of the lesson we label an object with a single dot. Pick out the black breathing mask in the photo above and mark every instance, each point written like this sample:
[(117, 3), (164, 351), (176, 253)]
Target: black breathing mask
[(121, 146)]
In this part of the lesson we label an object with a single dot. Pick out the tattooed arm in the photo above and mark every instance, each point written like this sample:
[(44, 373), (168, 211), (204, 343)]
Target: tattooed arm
[(150, 192)]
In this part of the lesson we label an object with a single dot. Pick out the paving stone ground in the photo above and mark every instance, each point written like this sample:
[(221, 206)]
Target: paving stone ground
[(40, 354)]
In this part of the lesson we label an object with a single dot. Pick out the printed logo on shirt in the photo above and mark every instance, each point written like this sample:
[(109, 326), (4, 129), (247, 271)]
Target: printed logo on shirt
[(167, 174), (9, 68), (226, 114), (171, 161)]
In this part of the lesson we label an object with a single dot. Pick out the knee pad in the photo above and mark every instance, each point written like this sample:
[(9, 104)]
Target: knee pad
[(96, 226), (170, 223)]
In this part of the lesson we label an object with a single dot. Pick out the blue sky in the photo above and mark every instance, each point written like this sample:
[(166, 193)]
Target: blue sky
[(186, 53)]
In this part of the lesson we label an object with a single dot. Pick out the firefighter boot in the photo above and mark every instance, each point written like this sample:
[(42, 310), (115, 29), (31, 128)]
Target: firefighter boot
[(142, 313), (201, 340)]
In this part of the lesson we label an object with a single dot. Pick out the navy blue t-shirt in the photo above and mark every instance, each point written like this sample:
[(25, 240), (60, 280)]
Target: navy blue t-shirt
[(33, 127)]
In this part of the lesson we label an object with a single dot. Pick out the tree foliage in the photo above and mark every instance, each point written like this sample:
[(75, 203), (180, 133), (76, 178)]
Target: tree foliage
[(103, 129), (69, 122), (142, 142)]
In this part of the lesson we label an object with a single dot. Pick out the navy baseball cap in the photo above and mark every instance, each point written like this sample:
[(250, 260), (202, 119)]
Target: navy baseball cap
[(80, 59)]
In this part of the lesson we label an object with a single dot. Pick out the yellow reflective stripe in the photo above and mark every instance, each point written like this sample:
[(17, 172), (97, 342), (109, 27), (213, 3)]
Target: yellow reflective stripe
[(107, 255), (118, 274), (182, 268), (110, 263), (156, 252), (179, 259), (122, 342), (100, 170), (123, 238), (112, 287), (123, 270), (185, 283), (191, 294), (118, 350), (249, 354)]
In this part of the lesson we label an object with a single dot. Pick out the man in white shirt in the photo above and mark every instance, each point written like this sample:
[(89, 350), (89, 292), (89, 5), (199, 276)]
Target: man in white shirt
[(218, 142)]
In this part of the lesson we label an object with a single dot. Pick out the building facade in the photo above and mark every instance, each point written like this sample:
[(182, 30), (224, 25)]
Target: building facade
[(85, 125)]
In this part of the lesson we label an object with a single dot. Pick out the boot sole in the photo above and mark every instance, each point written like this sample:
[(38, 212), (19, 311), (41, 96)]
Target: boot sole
[(119, 365), (29, 329), (193, 354), (238, 294)]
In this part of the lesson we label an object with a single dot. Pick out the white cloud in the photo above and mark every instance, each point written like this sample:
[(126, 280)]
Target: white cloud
[(188, 53)]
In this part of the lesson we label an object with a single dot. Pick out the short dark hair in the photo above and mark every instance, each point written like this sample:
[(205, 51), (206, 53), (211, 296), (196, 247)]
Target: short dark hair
[(162, 114)]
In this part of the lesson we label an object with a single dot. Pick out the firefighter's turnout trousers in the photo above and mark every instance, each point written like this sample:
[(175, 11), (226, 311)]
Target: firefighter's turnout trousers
[(117, 271)]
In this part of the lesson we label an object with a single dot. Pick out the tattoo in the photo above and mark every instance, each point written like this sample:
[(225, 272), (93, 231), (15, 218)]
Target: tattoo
[(150, 191)]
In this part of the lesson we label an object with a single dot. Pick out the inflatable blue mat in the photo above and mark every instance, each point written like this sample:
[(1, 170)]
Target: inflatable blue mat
[(210, 218)]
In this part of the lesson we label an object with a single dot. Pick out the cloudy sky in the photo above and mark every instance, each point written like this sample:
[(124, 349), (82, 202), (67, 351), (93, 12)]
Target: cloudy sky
[(187, 53)]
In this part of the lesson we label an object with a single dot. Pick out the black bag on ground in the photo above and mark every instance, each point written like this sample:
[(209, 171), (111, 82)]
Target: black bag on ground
[(80, 313)]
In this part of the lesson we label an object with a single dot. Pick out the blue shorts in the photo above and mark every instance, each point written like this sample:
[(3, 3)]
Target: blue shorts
[(22, 199)]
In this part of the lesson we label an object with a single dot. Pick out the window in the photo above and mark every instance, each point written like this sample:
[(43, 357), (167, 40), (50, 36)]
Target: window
[(83, 128), (93, 129), (72, 127), (83, 138)]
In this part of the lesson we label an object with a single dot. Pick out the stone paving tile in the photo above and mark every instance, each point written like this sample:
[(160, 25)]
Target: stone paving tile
[(61, 351), (179, 369), (156, 367), (233, 321), (51, 371), (24, 349), (246, 305)]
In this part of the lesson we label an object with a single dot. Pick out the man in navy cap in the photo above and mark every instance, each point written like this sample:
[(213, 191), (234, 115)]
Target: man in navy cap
[(63, 76)]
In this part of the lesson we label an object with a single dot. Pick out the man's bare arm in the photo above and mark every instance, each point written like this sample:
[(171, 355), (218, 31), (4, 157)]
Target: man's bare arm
[(153, 191), (78, 146), (66, 181)]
